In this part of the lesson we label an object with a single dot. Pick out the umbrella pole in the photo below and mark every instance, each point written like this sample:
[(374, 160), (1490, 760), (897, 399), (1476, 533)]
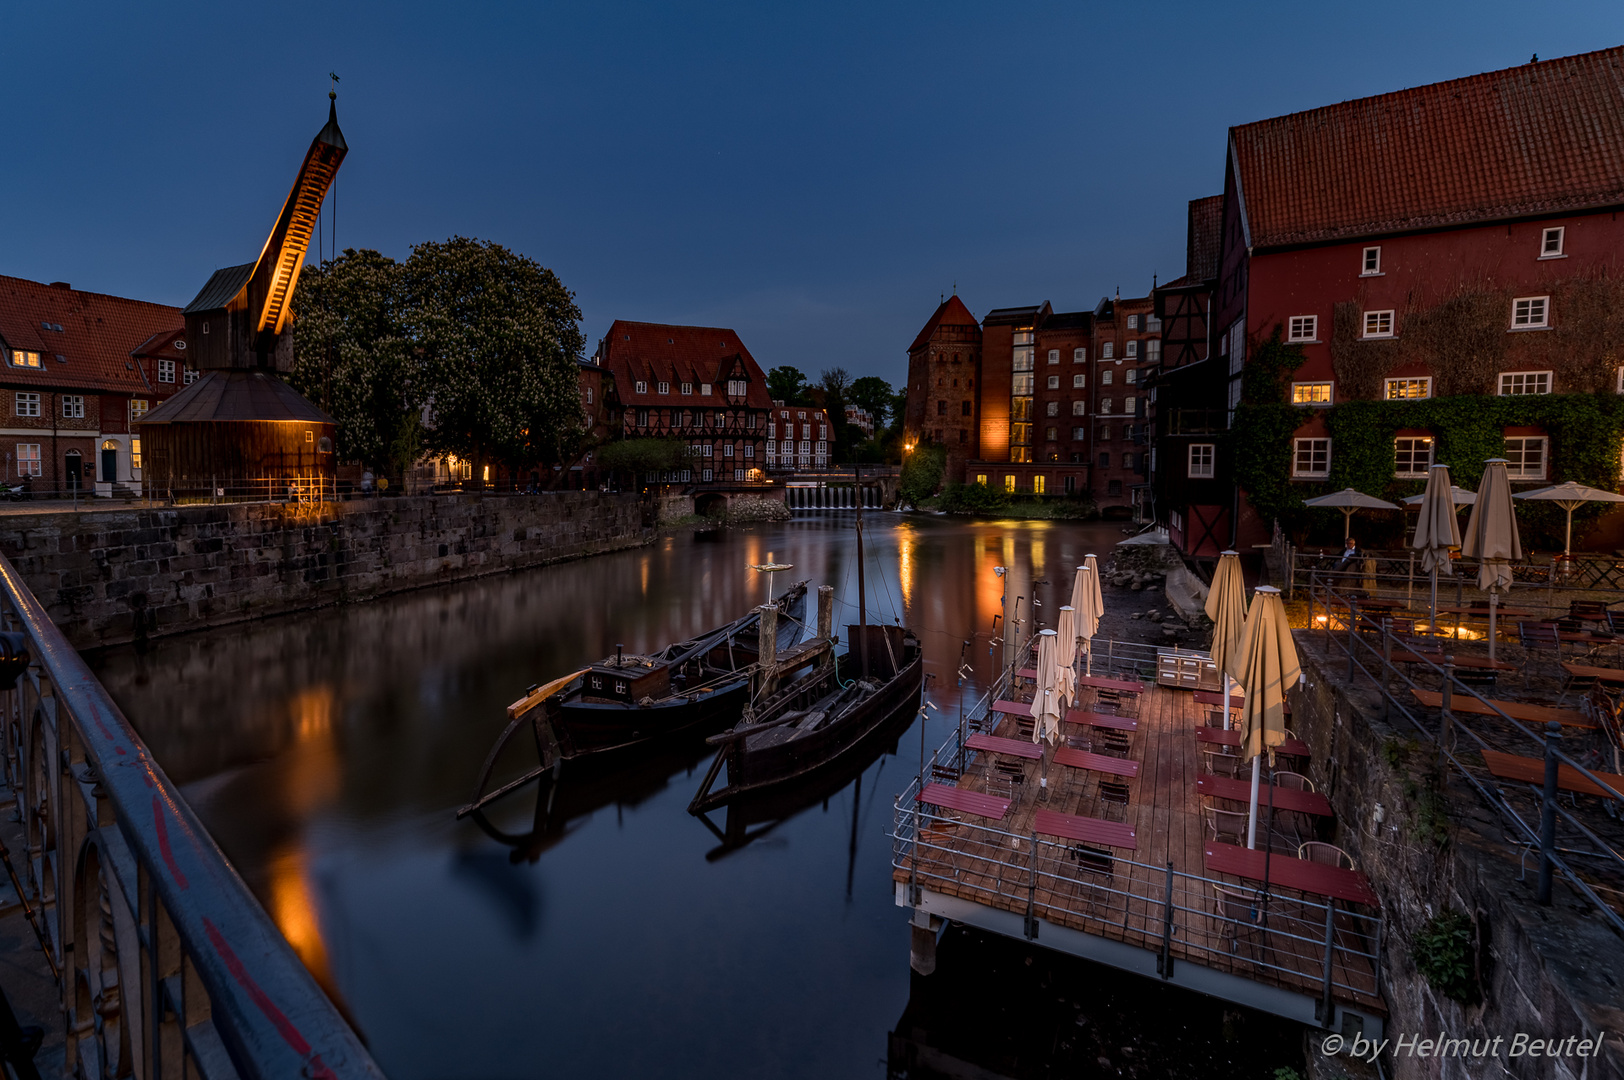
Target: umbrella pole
[(1567, 544), (1226, 700), (1347, 522), (1268, 847), (1432, 626), (1251, 818), (1494, 599)]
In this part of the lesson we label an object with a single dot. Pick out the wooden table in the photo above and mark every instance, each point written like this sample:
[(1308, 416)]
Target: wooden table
[(1482, 663), (1232, 737), (1104, 763), (1517, 710), (1209, 697), (1088, 830), (1532, 770), (971, 802), (1588, 636), (1013, 708), (1501, 612), (994, 744), (1102, 683), (1335, 882), (1605, 674), (1302, 802), (1084, 718), (1027, 673)]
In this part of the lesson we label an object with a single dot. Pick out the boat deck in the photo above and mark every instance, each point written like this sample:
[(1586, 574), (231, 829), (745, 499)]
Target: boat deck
[(1159, 895)]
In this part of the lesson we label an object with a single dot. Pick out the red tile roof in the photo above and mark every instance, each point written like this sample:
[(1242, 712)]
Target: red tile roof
[(653, 353), (94, 348), (952, 312), (1541, 138)]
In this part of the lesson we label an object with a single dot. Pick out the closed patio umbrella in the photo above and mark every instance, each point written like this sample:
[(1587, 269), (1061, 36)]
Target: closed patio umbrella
[(1084, 600), (1226, 607), (1570, 496), (1046, 699), (1066, 655), (1437, 530), (1348, 500), (1268, 668), (1093, 565), (1491, 536)]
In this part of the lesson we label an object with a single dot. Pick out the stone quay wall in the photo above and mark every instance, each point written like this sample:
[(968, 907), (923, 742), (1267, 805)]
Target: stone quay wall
[(109, 577), (1547, 972)]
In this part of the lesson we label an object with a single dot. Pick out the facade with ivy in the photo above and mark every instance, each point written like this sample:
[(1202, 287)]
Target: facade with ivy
[(1428, 276)]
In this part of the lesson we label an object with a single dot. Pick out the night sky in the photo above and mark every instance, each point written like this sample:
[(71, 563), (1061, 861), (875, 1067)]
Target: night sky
[(813, 175)]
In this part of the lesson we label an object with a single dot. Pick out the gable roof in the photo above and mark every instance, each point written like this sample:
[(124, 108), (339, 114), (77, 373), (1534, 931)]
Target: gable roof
[(1541, 138), (951, 312), (93, 351), (237, 395), (657, 352)]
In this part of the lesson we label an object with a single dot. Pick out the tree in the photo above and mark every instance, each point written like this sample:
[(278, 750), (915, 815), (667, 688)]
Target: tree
[(787, 384), (922, 473), (636, 458), (354, 358), (499, 335), (834, 382), (873, 395)]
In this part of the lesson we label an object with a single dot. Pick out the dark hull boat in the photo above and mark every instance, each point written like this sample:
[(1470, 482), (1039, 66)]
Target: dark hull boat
[(820, 720), (689, 687)]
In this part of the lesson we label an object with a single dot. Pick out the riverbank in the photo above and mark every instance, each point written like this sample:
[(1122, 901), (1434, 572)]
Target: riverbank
[(109, 577)]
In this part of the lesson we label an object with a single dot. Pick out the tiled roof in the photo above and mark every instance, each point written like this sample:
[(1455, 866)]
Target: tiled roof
[(653, 353), (237, 395), (222, 285), (99, 335), (1016, 315), (1545, 137), (1206, 226), (951, 312)]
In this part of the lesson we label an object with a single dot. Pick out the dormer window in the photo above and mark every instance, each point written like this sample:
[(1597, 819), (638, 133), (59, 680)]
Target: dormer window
[(24, 358), (704, 389), (642, 386), (687, 389), (665, 387)]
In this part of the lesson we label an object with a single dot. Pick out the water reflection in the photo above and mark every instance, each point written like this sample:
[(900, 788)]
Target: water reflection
[(603, 931)]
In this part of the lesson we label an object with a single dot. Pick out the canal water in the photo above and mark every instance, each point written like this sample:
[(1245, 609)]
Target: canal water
[(593, 928)]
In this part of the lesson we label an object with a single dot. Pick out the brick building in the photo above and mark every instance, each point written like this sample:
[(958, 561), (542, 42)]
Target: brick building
[(77, 368), (799, 437), (1455, 239), (694, 383), (944, 366)]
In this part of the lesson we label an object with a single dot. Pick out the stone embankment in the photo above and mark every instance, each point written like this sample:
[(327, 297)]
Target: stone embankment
[(110, 577)]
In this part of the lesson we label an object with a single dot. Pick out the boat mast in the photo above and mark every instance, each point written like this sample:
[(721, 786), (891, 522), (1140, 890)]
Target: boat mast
[(862, 591)]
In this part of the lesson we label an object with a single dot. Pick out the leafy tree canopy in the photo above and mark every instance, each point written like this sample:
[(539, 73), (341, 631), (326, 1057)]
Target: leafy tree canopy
[(873, 395), (787, 384)]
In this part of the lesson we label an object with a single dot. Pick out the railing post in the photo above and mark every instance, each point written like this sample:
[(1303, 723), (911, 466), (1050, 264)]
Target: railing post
[(1387, 667), (1164, 965), (1032, 894), (1353, 632), (1547, 813), (1327, 1009), (1445, 718)]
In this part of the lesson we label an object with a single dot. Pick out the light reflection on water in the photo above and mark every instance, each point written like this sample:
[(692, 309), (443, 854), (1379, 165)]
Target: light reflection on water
[(612, 934)]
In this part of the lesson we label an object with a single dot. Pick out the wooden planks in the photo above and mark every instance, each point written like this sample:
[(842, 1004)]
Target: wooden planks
[(1532, 770), (1517, 710), (994, 744)]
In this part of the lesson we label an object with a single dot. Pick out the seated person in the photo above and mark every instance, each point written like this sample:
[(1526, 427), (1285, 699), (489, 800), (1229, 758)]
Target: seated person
[(1350, 553)]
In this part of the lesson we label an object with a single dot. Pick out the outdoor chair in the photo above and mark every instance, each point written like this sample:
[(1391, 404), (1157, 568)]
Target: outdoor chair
[(1327, 854), (945, 774), (1224, 826), (1615, 622), (936, 851), (1215, 718), (1220, 762), (1536, 637), (1006, 779), (1478, 677), (1113, 794), (1113, 742), (1239, 915), (1095, 873), (1080, 742), (1296, 781), (1590, 611)]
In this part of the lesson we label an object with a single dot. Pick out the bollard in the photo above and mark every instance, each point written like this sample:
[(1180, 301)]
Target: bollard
[(922, 949), (1547, 813)]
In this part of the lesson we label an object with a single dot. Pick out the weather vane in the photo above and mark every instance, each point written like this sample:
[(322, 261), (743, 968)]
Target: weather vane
[(333, 75)]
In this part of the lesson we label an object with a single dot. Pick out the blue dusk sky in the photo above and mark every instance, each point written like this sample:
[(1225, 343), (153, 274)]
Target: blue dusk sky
[(814, 176)]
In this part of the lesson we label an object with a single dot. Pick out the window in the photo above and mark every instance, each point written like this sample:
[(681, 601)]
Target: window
[(1131, 376), (27, 404), (138, 408), (24, 358), (1053, 383), (1051, 434), (1516, 383), (28, 459), (1401, 389), (1412, 457), (1372, 262), (1130, 405), (1054, 356), (1201, 460), (1105, 433), (1079, 434), (704, 389), (135, 453), (1108, 350), (1105, 378), (166, 371), (1378, 324), (1079, 408), (735, 387), (1113, 487), (687, 388), (727, 449), (1038, 485), (191, 376), (1529, 312), (705, 474), (981, 478), (964, 408), (1105, 405), (1525, 458), (705, 450), (1131, 351), (1303, 328), (1009, 482), (1133, 322), (642, 387), (589, 395), (1153, 351), (800, 415), (749, 449), (1105, 459), (662, 387), (1550, 244), (1310, 393), (1078, 382), (73, 406), (1079, 355), (1052, 409), (1020, 385), (1312, 457)]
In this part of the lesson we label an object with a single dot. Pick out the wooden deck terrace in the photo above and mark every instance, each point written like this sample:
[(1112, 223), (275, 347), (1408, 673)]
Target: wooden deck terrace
[(1155, 909)]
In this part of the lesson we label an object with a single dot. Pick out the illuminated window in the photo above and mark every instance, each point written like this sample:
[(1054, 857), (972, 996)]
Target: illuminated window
[(27, 404), (1038, 485), (28, 459), (1303, 328), (1529, 313), (981, 478), (166, 371), (24, 358), (1517, 383), (1311, 457), (1525, 458), (138, 408), (1402, 389), (1201, 459), (1378, 324), (1412, 457), (73, 406), (1310, 393), (1009, 483)]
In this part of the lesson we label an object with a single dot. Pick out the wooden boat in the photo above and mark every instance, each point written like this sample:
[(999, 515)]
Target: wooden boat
[(622, 701)]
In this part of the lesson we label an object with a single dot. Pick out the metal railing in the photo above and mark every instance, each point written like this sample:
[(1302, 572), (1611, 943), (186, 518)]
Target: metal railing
[(1288, 940), (1369, 645), (1579, 571), (168, 966), (302, 490)]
